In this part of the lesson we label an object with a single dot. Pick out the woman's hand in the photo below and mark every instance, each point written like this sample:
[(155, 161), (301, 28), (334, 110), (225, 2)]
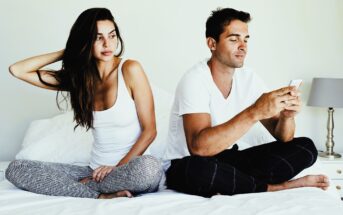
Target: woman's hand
[(101, 172)]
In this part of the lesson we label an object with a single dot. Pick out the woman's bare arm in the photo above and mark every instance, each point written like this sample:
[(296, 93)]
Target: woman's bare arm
[(28, 69), (142, 94)]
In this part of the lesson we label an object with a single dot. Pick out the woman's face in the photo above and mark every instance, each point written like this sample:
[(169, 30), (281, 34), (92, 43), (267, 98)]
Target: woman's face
[(106, 41)]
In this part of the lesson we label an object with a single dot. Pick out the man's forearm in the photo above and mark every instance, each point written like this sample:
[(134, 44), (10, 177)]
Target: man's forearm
[(214, 140), (285, 129)]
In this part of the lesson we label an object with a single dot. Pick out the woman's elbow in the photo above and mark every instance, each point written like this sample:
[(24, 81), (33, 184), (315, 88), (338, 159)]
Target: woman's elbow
[(151, 135), (13, 71)]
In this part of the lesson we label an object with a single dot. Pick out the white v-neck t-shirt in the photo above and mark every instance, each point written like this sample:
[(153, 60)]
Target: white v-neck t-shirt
[(197, 93)]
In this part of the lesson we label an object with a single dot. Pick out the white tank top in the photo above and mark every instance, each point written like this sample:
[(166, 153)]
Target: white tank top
[(115, 129)]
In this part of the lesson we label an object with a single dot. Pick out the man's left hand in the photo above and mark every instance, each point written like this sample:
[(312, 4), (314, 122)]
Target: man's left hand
[(293, 106)]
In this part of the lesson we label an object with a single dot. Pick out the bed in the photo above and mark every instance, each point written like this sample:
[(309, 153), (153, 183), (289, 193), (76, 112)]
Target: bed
[(303, 201), (55, 140)]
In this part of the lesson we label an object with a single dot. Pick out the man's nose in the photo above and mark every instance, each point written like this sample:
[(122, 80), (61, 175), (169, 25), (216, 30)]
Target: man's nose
[(242, 46)]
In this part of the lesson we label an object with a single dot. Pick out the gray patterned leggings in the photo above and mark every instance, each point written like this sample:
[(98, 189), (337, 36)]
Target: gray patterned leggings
[(141, 175)]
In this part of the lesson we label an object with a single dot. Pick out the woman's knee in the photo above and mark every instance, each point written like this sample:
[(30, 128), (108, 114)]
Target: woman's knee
[(149, 164), (15, 169), (151, 170)]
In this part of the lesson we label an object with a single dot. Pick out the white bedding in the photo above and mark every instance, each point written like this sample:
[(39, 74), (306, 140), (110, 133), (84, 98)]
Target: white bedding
[(304, 201), (54, 140)]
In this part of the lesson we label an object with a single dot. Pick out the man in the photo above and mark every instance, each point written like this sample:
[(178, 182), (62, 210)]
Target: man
[(216, 103)]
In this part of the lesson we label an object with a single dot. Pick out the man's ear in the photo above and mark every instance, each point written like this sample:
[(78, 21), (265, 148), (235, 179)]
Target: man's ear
[(211, 43)]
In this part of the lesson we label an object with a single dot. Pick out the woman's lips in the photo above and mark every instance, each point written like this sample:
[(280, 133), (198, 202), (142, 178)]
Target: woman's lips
[(106, 53)]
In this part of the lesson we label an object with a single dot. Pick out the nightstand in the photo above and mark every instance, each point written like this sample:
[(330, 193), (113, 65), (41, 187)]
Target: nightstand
[(3, 167), (333, 168)]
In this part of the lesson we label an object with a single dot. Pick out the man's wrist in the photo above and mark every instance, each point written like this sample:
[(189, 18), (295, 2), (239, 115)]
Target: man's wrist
[(253, 114), (285, 117)]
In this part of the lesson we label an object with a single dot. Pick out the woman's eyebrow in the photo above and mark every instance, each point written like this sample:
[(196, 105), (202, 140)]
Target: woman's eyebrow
[(108, 33)]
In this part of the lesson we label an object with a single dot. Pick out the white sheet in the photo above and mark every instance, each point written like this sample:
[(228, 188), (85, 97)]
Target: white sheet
[(304, 201)]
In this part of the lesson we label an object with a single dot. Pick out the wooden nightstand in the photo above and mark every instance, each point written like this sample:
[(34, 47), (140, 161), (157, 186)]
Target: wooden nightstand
[(3, 167), (333, 168)]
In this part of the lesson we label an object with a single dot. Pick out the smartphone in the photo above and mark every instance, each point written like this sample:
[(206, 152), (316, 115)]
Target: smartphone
[(295, 82)]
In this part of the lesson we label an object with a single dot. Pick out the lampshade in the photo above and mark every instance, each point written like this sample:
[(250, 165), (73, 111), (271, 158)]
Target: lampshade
[(326, 92)]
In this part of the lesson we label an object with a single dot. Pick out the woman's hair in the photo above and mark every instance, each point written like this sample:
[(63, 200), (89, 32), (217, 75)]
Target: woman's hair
[(79, 74)]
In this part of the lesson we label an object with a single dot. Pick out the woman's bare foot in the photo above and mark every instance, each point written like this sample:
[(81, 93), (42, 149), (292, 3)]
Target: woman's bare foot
[(123, 193), (320, 181)]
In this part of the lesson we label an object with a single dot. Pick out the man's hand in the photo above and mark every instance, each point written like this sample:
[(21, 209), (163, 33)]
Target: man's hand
[(293, 106), (284, 101), (101, 172)]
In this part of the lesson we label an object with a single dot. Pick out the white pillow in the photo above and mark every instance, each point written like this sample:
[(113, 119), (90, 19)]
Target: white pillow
[(163, 103), (54, 139)]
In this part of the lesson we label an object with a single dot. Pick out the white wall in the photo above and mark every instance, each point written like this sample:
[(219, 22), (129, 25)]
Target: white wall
[(289, 39)]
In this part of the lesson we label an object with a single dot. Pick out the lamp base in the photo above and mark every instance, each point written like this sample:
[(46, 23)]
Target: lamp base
[(329, 155)]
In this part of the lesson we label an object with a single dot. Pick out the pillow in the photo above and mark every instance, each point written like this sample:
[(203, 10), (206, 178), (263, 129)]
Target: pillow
[(54, 139), (163, 103)]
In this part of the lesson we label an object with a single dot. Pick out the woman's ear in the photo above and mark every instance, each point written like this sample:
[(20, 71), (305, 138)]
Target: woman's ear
[(211, 43)]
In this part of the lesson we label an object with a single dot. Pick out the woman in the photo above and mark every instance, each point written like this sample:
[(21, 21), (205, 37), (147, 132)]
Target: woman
[(109, 95)]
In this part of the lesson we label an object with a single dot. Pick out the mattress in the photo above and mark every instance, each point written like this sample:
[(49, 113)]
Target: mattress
[(304, 201), (55, 140)]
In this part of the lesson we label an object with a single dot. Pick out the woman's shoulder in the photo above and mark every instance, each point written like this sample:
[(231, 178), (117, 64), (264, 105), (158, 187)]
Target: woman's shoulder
[(131, 65), (132, 70)]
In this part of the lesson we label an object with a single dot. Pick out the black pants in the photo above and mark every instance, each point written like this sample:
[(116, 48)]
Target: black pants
[(233, 171)]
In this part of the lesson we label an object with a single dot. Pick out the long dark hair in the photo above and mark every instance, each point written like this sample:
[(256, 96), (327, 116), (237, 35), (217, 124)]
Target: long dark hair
[(79, 74)]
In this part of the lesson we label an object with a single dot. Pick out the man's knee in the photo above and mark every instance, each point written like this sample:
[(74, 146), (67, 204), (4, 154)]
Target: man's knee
[(309, 148), (192, 175)]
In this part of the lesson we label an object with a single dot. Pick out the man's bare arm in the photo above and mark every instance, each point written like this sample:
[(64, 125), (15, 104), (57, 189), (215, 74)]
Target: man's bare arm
[(204, 140)]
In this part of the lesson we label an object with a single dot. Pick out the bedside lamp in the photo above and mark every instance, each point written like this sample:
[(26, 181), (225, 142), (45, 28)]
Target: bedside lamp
[(327, 92)]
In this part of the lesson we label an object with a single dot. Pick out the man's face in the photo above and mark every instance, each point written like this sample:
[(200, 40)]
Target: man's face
[(232, 47)]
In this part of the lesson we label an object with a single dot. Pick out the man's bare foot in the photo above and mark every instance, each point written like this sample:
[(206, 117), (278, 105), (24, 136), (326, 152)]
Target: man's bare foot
[(123, 193), (85, 180), (320, 181)]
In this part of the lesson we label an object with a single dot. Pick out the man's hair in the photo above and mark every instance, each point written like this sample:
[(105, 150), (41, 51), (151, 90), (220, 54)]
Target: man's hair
[(222, 17)]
